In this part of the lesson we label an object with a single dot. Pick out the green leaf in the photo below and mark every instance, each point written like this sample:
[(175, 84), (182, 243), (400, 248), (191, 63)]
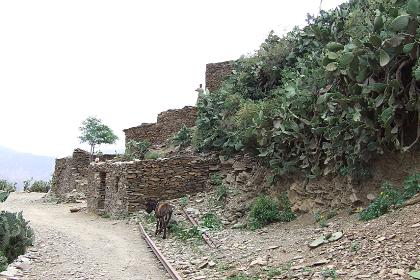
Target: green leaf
[(375, 41), (346, 59), (383, 58), (400, 23), (378, 23), (357, 116), (413, 7), (408, 48), (331, 66), (335, 46), (417, 73), (332, 55), (379, 100), (387, 115), (415, 274)]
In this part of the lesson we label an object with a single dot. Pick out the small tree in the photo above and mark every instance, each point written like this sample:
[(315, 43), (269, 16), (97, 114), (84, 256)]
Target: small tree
[(94, 132)]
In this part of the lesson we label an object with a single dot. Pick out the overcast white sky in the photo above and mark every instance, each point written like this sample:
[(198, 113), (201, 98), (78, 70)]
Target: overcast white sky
[(121, 61)]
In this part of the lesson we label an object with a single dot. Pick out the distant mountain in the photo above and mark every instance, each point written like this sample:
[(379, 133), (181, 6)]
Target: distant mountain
[(17, 167)]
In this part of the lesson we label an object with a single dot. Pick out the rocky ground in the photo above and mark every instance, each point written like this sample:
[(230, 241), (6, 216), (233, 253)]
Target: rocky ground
[(384, 248), (79, 245)]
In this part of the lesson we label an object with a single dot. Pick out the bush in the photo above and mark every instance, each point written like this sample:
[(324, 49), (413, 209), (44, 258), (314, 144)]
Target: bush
[(15, 235), (391, 197), (152, 155), (266, 210), (216, 179), (411, 186), (183, 137), (7, 186), (136, 149), (325, 98), (222, 192), (180, 231), (211, 221), (40, 186)]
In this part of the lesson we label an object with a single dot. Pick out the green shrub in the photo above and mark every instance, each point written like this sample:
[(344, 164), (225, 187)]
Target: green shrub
[(7, 186), (222, 192), (3, 196), (136, 149), (183, 201), (183, 137), (40, 186), (152, 155), (285, 211), (411, 186), (211, 221), (391, 197), (329, 273), (15, 235), (266, 210), (387, 198), (182, 232), (242, 276), (325, 98), (216, 179)]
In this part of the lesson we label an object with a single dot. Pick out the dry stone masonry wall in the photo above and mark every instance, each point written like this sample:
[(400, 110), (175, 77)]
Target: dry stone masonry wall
[(71, 173), (124, 187), (168, 123), (216, 73)]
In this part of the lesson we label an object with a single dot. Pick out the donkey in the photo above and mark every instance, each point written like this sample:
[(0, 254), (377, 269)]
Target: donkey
[(163, 213)]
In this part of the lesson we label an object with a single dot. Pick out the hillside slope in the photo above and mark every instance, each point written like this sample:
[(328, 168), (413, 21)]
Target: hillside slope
[(16, 166)]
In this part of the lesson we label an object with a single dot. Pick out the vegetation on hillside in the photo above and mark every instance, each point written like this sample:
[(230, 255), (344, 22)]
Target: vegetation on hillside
[(391, 197), (325, 98), (6, 186), (15, 235)]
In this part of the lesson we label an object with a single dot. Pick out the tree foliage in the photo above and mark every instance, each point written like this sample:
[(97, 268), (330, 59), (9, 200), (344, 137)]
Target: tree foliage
[(325, 98), (94, 132)]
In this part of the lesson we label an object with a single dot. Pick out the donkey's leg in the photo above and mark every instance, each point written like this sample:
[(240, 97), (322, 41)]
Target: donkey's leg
[(157, 226)]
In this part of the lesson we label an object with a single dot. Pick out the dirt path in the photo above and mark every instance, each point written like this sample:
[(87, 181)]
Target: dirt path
[(81, 245)]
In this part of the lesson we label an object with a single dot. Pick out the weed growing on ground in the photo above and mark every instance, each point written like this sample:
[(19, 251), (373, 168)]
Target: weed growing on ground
[(180, 231), (266, 210), (332, 273), (391, 197), (242, 276), (274, 271), (355, 246), (183, 201), (216, 179), (152, 155), (221, 192), (211, 221)]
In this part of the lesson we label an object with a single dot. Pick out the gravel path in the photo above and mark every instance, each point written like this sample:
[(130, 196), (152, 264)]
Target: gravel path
[(81, 245)]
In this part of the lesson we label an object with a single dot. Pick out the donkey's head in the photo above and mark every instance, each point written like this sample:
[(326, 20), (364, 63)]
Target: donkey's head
[(151, 205)]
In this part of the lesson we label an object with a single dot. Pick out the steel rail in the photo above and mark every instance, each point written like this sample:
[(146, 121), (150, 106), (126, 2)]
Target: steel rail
[(209, 241), (172, 272)]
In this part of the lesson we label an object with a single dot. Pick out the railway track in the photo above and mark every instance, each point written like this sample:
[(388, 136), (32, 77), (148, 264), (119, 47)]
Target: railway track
[(209, 241), (171, 271)]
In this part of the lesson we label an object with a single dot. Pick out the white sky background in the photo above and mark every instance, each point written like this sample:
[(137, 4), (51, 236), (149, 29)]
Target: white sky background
[(121, 61)]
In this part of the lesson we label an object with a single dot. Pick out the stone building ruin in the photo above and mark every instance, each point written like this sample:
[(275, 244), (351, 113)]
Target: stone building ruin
[(121, 187)]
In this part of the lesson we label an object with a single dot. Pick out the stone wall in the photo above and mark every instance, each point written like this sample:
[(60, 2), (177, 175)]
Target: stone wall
[(71, 173), (216, 73), (168, 123), (124, 187)]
